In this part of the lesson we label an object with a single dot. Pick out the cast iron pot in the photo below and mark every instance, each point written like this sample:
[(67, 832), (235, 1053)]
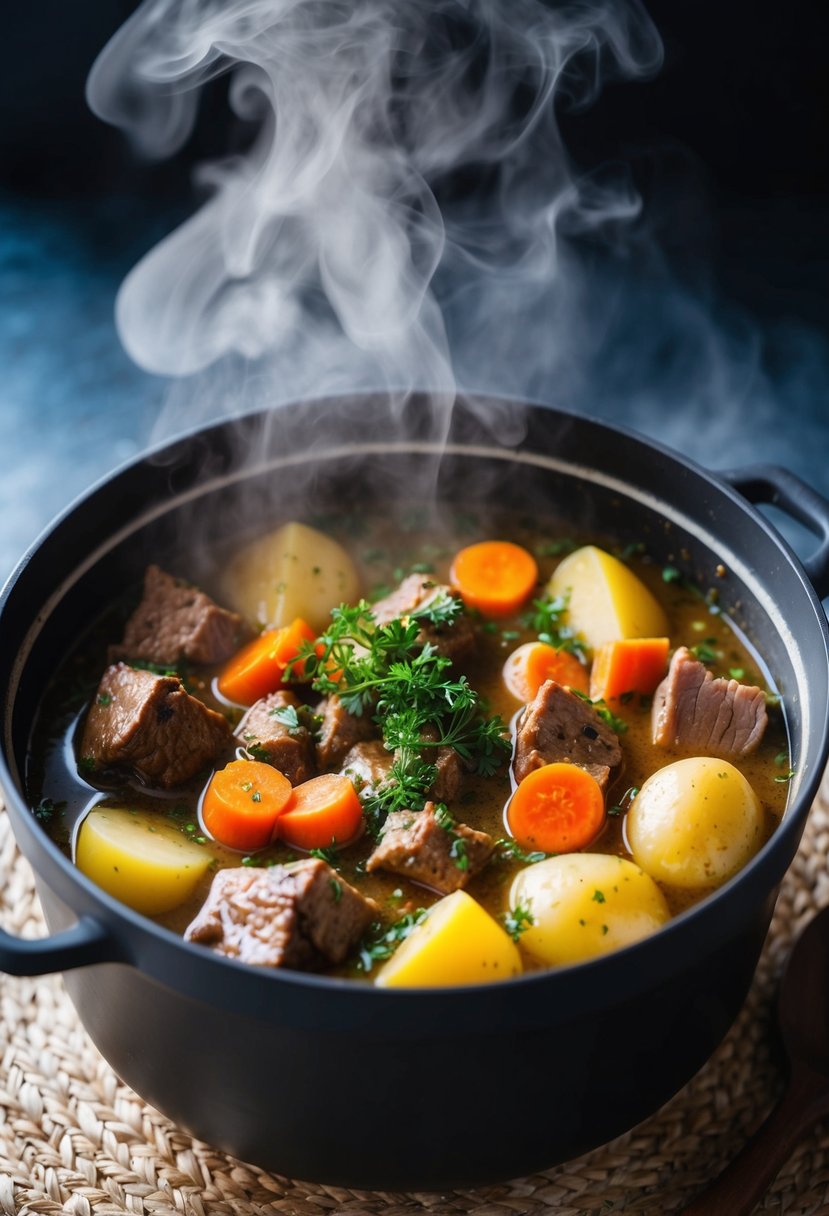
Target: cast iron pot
[(334, 1081)]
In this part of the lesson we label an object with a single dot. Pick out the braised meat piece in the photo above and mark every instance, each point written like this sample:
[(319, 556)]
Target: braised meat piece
[(339, 731), (559, 726), (368, 765), (714, 717), (450, 767), (303, 915), (176, 621), (427, 848), (148, 723), (271, 731), (457, 641)]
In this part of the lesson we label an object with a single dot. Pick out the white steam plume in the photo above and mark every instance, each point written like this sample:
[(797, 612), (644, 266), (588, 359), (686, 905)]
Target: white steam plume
[(330, 255)]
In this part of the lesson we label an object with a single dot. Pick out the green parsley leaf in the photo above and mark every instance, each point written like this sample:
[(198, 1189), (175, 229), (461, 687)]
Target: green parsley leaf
[(517, 920)]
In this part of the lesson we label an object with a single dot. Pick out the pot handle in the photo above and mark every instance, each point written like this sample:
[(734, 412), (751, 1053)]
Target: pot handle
[(776, 486), (86, 942)]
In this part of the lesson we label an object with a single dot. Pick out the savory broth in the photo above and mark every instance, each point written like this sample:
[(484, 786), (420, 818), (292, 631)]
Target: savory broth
[(384, 553)]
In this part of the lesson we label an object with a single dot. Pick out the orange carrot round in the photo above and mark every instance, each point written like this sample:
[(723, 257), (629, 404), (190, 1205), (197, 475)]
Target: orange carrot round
[(558, 809), (495, 576), (532, 664), (322, 811), (259, 667), (628, 665), (242, 803)]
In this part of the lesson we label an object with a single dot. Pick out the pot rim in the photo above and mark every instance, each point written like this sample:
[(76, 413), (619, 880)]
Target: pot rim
[(663, 949)]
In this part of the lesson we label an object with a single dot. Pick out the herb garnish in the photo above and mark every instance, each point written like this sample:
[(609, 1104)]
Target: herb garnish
[(381, 941), (601, 708), (545, 619), (387, 671), (46, 809), (704, 651), (288, 717), (458, 850), (510, 850), (517, 920)]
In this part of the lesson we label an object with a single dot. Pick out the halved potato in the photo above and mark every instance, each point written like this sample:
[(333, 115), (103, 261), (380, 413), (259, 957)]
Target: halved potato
[(585, 904), (295, 571), (457, 943), (606, 601), (141, 860)]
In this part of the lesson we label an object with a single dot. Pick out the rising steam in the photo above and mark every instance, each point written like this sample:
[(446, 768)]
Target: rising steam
[(341, 249)]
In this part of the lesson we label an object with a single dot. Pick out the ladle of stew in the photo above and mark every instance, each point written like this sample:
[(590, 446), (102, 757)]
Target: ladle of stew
[(803, 1015)]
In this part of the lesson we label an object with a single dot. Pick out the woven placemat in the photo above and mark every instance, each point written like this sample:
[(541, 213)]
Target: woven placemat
[(74, 1139)]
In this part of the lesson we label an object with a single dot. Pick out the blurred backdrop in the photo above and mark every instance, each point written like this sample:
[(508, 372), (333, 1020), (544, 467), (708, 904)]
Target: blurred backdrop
[(728, 144)]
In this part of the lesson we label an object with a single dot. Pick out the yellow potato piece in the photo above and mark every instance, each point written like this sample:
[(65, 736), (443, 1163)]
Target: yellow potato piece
[(294, 571), (584, 905), (457, 943), (606, 601), (695, 823), (140, 859)]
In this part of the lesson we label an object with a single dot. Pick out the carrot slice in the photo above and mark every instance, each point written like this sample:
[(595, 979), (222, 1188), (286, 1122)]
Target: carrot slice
[(532, 664), (628, 665), (322, 811), (558, 808), (495, 576), (259, 667), (243, 802)]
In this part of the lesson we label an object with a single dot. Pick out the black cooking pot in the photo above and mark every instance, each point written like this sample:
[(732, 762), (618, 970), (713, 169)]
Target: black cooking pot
[(330, 1080)]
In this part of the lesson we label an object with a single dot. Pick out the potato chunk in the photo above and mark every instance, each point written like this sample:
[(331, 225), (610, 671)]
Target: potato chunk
[(606, 601), (295, 571), (140, 859), (694, 823), (585, 904), (457, 943)]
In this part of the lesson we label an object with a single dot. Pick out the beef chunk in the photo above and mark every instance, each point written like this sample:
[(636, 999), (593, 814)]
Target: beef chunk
[(446, 785), (339, 731), (415, 845), (558, 725), (713, 717), (368, 765), (286, 745), (150, 724), (450, 767), (175, 621), (303, 915), (457, 641)]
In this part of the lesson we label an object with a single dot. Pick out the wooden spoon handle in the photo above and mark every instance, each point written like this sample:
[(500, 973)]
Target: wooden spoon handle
[(743, 1183)]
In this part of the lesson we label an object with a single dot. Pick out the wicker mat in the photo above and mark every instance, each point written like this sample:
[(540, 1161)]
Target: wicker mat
[(74, 1139)]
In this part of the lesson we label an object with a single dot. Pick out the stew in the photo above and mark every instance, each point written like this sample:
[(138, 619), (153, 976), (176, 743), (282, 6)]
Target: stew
[(413, 753)]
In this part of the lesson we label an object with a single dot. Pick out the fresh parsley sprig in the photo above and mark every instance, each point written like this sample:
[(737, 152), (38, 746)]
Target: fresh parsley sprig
[(407, 686), (546, 619)]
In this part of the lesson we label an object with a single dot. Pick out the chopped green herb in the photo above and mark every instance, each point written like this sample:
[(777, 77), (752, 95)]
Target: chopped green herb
[(330, 855), (599, 704), (554, 548), (103, 698), (598, 896), (517, 920), (670, 574), (288, 717), (457, 851), (783, 777), (510, 850), (737, 673), (87, 764), (381, 941), (256, 797), (46, 809), (704, 652), (387, 672), (336, 889)]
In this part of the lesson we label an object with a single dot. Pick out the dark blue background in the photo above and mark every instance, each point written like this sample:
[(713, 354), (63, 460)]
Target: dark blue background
[(730, 146)]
